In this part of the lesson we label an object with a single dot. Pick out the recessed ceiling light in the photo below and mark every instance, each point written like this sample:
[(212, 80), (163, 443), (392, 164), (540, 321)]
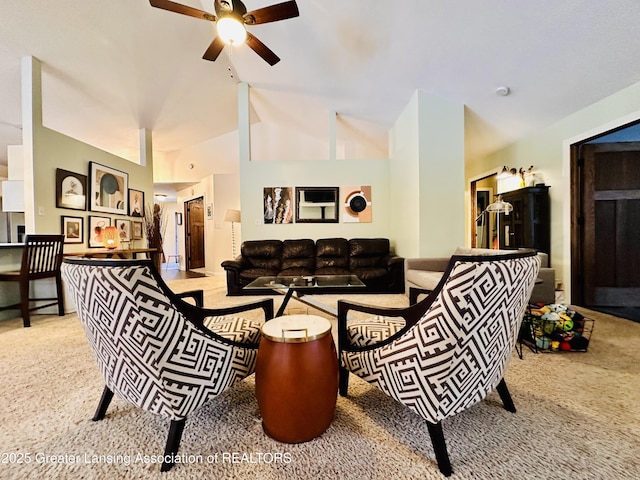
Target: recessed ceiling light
[(503, 90)]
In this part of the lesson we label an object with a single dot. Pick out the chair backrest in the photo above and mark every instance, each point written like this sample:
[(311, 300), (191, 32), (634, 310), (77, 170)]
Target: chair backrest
[(147, 351), (42, 256), (483, 303), (461, 345)]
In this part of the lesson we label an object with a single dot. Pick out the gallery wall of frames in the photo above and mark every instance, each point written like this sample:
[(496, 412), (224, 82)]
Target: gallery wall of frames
[(282, 205), (105, 192)]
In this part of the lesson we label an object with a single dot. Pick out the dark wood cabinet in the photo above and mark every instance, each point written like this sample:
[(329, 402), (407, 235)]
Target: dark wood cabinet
[(529, 224)]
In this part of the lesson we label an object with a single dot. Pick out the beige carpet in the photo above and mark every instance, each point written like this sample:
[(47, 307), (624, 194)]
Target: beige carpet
[(578, 418)]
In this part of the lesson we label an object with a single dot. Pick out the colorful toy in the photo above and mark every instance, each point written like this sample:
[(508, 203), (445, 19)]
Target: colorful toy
[(565, 322), (556, 327), (542, 343)]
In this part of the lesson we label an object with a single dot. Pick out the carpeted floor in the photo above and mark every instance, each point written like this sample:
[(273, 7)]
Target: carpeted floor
[(578, 418), (630, 313)]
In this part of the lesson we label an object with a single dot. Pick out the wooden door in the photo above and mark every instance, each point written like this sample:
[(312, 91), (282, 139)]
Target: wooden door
[(194, 232), (610, 210)]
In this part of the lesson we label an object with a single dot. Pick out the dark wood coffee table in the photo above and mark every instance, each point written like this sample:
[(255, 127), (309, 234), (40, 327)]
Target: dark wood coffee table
[(300, 287)]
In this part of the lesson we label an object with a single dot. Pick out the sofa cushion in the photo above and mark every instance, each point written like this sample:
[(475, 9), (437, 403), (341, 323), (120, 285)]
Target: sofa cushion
[(368, 258), (362, 333), (332, 256), (367, 252), (424, 279), (298, 257), (237, 329), (263, 254), (250, 274)]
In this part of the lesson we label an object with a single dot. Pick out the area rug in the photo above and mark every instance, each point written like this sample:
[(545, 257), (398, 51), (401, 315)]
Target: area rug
[(578, 418)]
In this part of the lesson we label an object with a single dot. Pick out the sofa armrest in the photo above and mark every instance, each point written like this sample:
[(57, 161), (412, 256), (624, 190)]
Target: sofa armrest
[(237, 263), (391, 260), (430, 264), (544, 291)]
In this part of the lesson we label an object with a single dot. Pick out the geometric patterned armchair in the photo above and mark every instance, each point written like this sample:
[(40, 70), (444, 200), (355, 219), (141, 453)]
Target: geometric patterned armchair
[(447, 352), (155, 350)]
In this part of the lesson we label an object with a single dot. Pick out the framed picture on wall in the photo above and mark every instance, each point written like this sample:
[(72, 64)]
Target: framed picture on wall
[(72, 229), (278, 204), (71, 190), (124, 229), (136, 230), (316, 204), (357, 204), (97, 225), (136, 203), (109, 190)]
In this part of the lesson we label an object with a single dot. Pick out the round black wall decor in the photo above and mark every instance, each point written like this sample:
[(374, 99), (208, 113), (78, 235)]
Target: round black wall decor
[(357, 203)]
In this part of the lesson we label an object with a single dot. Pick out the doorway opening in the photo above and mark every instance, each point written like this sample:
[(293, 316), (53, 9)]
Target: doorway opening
[(483, 225), (194, 233), (605, 222)]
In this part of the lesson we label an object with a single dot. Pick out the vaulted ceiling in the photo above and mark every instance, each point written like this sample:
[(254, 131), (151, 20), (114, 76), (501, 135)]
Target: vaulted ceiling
[(113, 67)]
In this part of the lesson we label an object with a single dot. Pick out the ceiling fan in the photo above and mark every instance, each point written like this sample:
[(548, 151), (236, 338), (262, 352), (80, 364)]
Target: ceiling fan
[(231, 17)]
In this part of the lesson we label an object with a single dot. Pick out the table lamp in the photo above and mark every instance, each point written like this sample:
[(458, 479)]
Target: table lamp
[(110, 237)]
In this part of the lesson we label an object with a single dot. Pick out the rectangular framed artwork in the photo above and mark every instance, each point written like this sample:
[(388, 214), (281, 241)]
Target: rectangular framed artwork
[(109, 189), (97, 225), (316, 204), (278, 205), (357, 204), (136, 230), (136, 203), (124, 229), (72, 229), (71, 190)]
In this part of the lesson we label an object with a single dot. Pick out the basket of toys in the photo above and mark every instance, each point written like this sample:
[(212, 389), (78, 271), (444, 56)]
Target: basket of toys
[(556, 328)]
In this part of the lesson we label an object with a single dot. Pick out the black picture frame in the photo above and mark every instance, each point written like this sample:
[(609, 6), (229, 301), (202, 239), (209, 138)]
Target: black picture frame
[(72, 228), (136, 203), (97, 224), (317, 204), (71, 190)]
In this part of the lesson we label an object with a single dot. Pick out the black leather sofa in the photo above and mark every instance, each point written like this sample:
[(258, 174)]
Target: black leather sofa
[(370, 259)]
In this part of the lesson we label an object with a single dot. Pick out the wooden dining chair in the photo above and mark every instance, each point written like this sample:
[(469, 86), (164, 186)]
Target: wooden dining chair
[(41, 258)]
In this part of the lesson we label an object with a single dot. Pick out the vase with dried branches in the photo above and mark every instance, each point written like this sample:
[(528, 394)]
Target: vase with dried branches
[(155, 225)]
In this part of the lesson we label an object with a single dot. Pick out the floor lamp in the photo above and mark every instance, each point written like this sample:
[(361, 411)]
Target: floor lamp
[(498, 207), (232, 216)]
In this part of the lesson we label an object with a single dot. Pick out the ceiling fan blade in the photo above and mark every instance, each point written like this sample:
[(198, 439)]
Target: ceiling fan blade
[(183, 9), (280, 11), (214, 49), (262, 50)]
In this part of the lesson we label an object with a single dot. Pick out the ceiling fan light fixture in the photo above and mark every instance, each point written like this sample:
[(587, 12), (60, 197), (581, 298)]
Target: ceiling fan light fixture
[(231, 31)]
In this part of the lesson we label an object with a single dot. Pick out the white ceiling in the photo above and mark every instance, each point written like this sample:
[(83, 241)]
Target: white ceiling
[(113, 67)]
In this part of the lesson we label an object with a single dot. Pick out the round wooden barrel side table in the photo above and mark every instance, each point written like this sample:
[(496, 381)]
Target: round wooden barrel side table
[(296, 377)]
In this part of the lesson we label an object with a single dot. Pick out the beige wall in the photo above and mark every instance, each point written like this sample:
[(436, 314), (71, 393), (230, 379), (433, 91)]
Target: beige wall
[(255, 175), (548, 151), (44, 151)]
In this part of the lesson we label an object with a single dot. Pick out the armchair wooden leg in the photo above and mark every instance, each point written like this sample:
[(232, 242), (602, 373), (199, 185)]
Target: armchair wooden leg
[(105, 400), (173, 443), (344, 381), (440, 448), (505, 396)]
